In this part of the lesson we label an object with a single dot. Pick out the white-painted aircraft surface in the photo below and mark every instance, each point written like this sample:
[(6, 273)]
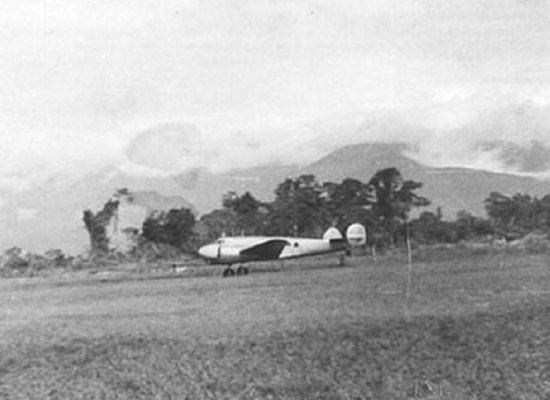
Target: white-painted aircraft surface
[(242, 249), (356, 234)]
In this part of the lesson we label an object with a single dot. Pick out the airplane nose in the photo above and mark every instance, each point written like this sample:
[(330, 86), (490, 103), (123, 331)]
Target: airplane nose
[(208, 251)]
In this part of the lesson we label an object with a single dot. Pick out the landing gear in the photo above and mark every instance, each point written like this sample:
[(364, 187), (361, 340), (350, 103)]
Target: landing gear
[(342, 260), (241, 270)]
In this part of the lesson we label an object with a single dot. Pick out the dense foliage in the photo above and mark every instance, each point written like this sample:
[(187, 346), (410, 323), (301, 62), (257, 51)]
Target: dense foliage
[(305, 207), (174, 227), (298, 207), (430, 228), (96, 225), (518, 215)]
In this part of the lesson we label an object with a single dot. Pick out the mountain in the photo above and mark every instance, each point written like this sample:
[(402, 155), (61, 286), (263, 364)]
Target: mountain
[(452, 189), (362, 161), (50, 216)]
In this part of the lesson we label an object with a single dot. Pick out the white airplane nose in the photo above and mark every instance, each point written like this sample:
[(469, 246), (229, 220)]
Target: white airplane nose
[(208, 251)]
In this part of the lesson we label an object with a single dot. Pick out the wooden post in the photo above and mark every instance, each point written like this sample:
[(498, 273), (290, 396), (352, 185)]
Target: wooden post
[(409, 262)]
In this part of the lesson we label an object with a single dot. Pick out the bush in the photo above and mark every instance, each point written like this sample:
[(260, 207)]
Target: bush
[(150, 252), (532, 243)]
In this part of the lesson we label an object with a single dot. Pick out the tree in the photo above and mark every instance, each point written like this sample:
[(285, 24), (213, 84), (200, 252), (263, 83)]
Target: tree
[(14, 259), (513, 216), (298, 208), (543, 213), (56, 257), (500, 209), (430, 228), (248, 211), (218, 223), (347, 202), (526, 211), (469, 227), (174, 227), (394, 197), (96, 225)]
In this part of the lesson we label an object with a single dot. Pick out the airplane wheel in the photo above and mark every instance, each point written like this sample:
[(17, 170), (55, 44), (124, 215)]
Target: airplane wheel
[(242, 271), (228, 272)]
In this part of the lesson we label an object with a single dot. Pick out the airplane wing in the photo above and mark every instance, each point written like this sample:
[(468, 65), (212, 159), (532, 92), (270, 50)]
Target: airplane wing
[(268, 250)]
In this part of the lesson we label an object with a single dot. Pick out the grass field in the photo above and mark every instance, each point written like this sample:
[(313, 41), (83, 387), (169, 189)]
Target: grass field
[(474, 327)]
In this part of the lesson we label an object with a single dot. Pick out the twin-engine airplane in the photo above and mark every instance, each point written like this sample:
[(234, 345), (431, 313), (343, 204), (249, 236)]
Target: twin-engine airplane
[(243, 249)]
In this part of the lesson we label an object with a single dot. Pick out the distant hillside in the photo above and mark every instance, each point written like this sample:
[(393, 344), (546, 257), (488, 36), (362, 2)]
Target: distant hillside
[(452, 189), (362, 161), (51, 216)]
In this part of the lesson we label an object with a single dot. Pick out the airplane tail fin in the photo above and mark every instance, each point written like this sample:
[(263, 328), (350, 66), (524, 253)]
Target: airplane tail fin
[(335, 238), (332, 234), (356, 236)]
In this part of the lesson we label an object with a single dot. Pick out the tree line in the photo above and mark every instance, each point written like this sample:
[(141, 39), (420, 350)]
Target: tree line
[(305, 207), (302, 206)]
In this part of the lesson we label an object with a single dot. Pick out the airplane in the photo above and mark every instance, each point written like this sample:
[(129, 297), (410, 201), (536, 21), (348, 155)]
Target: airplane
[(243, 249)]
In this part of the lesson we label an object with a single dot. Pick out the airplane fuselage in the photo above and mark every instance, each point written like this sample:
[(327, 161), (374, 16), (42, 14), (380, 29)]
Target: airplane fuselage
[(238, 250)]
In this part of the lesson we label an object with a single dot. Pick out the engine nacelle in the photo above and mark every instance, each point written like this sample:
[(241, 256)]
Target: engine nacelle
[(356, 235), (228, 254)]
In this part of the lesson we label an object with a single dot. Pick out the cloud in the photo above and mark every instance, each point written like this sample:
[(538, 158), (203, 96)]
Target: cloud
[(485, 126), (511, 135), (15, 183), (86, 86), (26, 214), (169, 147)]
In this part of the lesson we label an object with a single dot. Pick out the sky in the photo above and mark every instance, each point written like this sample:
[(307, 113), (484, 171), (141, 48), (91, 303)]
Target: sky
[(164, 86)]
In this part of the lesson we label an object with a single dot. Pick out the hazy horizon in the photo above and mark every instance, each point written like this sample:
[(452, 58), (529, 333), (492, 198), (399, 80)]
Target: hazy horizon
[(172, 86)]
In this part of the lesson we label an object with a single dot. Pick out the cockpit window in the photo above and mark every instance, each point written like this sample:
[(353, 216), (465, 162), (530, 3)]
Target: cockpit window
[(296, 244)]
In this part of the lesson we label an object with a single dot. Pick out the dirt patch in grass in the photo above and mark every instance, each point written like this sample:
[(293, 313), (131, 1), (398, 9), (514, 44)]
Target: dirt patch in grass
[(477, 356)]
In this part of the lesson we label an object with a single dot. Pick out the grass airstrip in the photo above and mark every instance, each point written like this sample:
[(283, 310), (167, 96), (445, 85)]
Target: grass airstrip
[(473, 326)]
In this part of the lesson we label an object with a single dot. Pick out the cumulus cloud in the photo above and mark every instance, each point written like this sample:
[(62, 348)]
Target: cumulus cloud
[(26, 214), (172, 148), (87, 86), (510, 134), (31, 159), (169, 147)]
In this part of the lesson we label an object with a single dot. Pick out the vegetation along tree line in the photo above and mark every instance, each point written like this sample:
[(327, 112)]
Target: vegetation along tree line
[(303, 206)]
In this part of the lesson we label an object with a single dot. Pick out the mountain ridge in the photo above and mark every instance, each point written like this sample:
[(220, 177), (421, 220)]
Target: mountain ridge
[(51, 215)]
